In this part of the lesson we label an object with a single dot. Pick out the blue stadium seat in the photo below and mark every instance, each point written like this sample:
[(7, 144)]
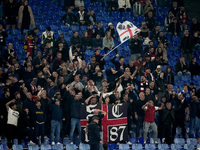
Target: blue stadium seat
[(84, 147), (132, 140), (74, 27), (66, 141), (58, 147), (140, 140), (150, 146), (33, 147), (70, 146), (163, 146), (137, 147), (45, 147), (3, 147), (123, 147), (17, 147), (189, 147), (111, 146), (192, 141), (176, 147)]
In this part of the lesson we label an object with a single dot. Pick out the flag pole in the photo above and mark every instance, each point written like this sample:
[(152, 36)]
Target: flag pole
[(114, 49)]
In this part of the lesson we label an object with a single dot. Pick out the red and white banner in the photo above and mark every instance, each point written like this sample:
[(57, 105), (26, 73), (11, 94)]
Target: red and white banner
[(114, 124), (126, 30)]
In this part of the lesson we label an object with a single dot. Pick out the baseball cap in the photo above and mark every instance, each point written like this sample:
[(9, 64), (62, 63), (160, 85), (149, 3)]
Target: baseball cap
[(95, 117), (159, 66)]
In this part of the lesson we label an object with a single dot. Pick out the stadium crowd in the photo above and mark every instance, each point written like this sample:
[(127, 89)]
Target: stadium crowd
[(42, 95)]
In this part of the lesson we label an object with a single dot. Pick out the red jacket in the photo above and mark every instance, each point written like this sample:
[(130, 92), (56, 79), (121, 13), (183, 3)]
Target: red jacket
[(30, 45)]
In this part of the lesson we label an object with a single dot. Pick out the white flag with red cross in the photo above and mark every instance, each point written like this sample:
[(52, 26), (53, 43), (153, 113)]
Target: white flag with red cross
[(126, 30)]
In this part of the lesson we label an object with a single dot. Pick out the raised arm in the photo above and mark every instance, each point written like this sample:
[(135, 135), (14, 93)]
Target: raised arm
[(8, 103)]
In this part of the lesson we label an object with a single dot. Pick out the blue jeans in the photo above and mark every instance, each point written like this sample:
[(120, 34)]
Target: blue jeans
[(75, 123), (194, 127), (55, 129)]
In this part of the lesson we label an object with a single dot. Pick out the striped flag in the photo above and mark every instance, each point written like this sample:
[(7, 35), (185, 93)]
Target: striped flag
[(126, 30)]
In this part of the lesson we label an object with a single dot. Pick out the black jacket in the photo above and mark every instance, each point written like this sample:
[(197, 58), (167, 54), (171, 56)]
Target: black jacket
[(187, 44), (94, 136)]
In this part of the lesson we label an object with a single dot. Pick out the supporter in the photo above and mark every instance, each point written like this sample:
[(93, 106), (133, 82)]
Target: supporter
[(26, 126), (47, 51), (9, 53), (120, 66), (63, 49), (50, 38), (25, 17), (161, 55), (174, 9), (29, 103), (3, 36), (39, 121), (194, 67), (11, 14), (36, 35), (86, 41), (182, 67), (124, 5), (47, 33), (163, 39), (186, 93), (138, 8), (94, 135), (150, 21), (3, 111), (149, 119), (148, 64), (135, 46), (148, 7), (168, 119), (145, 33), (186, 44), (155, 32), (61, 38), (161, 85), (97, 42), (92, 17), (182, 17), (37, 61), (90, 30), (181, 106), (150, 44), (112, 6), (194, 117), (82, 17), (174, 27), (168, 20), (108, 42), (75, 113), (157, 72), (195, 26), (169, 76), (69, 18), (111, 29), (75, 39), (139, 113), (73, 57), (99, 30), (57, 61), (100, 59), (56, 120), (138, 63), (12, 120)]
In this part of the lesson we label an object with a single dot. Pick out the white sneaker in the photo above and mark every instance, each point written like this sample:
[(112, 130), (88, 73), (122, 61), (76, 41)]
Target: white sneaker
[(156, 142), (129, 143), (52, 143), (71, 143), (31, 143), (58, 143), (145, 142)]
